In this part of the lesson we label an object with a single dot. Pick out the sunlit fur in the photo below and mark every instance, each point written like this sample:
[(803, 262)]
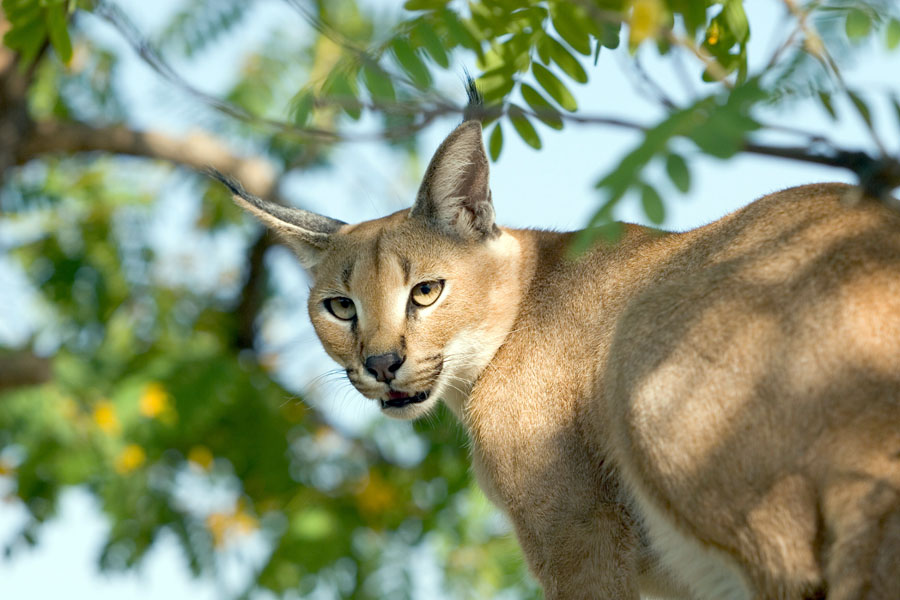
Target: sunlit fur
[(713, 414)]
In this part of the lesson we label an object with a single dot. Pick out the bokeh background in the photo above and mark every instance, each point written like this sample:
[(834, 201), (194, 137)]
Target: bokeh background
[(169, 426)]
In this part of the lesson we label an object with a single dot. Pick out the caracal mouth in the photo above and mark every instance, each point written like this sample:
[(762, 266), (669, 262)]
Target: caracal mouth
[(401, 399)]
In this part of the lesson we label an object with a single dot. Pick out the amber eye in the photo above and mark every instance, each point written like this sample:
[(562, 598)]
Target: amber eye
[(342, 308), (426, 293)]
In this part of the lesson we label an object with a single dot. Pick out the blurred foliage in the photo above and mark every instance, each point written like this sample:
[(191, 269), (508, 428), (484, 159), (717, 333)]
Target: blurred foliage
[(153, 409), (157, 408), (199, 23)]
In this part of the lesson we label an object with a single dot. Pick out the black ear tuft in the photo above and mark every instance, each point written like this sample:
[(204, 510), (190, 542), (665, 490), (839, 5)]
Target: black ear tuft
[(475, 107), (307, 233), (232, 184)]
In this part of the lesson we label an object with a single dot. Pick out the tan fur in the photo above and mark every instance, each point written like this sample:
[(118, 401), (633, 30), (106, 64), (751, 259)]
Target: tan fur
[(711, 414)]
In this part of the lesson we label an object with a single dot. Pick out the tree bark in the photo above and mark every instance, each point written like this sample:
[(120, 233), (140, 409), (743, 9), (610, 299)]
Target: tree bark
[(15, 122), (23, 368), (198, 150)]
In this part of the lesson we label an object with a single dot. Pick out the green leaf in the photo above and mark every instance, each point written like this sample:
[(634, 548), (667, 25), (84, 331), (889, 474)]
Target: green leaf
[(56, 28), (515, 52), (896, 104), (340, 88), (693, 13), (857, 24), (861, 107), (485, 20), (27, 36), (554, 87), (721, 128), (412, 5), (378, 82), (495, 142), (565, 21), (568, 63), (496, 84), (654, 142), (678, 172), (301, 107), (825, 100), (524, 127), (411, 62), (543, 49), (653, 204), (459, 32), (432, 43), (892, 34), (610, 35), (734, 17), (541, 107), (20, 13), (711, 141)]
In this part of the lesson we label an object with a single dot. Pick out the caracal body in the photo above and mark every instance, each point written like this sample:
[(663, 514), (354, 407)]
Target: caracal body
[(712, 414)]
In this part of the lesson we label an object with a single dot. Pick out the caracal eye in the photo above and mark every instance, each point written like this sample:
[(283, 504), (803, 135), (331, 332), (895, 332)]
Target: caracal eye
[(426, 293), (342, 308)]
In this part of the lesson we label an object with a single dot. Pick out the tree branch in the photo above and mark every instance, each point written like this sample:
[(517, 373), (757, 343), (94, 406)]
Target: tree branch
[(23, 369), (252, 294), (878, 177), (198, 150), (14, 119)]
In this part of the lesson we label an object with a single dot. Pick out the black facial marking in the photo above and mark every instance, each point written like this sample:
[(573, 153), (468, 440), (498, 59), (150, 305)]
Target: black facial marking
[(376, 254), (407, 269), (345, 275)]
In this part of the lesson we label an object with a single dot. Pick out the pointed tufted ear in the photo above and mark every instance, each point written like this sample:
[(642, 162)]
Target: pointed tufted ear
[(455, 196), (307, 233)]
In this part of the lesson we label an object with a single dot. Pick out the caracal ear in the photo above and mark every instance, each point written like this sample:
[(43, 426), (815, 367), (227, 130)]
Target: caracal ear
[(455, 196), (307, 233)]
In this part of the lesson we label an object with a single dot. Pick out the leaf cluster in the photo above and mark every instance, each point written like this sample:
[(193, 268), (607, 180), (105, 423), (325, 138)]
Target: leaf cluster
[(150, 395)]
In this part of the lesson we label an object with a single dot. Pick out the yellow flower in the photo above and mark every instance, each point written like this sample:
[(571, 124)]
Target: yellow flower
[(130, 458), (154, 400), (69, 408), (201, 456), (105, 417), (217, 523), (244, 522), (376, 496), (712, 34), (646, 16), (222, 526)]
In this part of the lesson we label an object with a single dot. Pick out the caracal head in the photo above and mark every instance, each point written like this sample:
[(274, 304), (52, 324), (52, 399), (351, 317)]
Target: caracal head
[(412, 305)]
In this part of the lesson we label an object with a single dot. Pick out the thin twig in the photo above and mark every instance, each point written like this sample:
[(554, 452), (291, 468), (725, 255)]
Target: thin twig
[(716, 70), (821, 53), (651, 85)]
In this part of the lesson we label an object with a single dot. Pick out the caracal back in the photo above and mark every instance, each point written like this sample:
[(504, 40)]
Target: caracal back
[(754, 387)]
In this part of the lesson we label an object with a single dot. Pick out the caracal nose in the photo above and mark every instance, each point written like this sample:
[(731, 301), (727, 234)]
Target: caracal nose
[(383, 366)]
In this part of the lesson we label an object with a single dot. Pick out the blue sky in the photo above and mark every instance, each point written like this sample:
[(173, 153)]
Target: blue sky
[(551, 188)]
